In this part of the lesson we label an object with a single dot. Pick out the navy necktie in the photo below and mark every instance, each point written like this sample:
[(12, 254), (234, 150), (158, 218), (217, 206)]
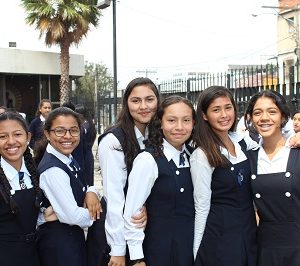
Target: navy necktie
[(182, 159), (21, 180)]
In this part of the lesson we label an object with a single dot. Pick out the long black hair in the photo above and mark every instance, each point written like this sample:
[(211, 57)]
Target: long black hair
[(29, 162), (204, 136), (125, 121)]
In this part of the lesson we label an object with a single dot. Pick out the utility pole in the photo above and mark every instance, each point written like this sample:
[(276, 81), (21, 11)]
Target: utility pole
[(147, 71)]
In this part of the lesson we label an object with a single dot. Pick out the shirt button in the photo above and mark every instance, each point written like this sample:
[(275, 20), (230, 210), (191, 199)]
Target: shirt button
[(177, 172), (182, 189), (287, 174), (253, 177), (232, 168), (287, 194), (257, 195)]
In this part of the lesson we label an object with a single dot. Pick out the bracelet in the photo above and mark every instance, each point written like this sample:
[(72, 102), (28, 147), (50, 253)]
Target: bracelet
[(133, 262)]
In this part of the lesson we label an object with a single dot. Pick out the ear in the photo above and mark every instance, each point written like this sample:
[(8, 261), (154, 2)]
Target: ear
[(204, 116), (47, 135)]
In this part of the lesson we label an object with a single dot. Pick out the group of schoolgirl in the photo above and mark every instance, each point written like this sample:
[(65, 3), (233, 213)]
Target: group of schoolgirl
[(167, 204), (53, 195), (199, 202)]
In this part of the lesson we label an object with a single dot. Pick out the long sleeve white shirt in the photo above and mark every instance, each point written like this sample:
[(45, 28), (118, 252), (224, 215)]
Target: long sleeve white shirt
[(55, 183), (141, 180), (202, 175), (114, 174)]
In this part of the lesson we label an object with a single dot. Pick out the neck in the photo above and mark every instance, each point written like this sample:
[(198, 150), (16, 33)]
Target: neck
[(141, 127), (273, 144)]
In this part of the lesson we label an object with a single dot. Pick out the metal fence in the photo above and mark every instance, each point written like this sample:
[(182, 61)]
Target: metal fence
[(242, 81)]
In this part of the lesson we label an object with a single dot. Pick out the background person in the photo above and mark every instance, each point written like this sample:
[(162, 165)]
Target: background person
[(36, 126), (3, 109), (296, 121), (89, 137)]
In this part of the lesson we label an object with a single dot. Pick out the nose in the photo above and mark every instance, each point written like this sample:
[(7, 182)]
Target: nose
[(11, 139), (264, 116), (143, 104), (223, 113), (68, 134), (179, 125)]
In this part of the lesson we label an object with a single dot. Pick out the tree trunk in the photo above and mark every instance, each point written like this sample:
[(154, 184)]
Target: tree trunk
[(64, 83)]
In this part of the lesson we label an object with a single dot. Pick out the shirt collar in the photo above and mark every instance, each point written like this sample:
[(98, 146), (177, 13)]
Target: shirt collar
[(10, 172), (42, 118), (235, 138), (172, 153), (139, 136), (65, 159)]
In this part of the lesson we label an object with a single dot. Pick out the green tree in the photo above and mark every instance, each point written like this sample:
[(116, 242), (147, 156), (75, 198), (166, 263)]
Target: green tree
[(95, 75), (63, 22)]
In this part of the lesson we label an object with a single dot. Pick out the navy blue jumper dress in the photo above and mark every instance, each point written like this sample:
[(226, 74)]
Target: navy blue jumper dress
[(17, 231), (229, 237), (277, 198), (170, 207), (61, 244)]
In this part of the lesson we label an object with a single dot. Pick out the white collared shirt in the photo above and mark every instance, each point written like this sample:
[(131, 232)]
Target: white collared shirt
[(114, 174), (202, 175), (141, 180), (55, 183), (12, 175), (278, 163)]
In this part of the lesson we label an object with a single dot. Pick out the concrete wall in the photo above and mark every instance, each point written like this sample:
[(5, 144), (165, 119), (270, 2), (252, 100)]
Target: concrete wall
[(16, 61)]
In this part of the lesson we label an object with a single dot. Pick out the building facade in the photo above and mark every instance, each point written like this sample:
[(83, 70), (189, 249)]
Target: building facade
[(26, 77)]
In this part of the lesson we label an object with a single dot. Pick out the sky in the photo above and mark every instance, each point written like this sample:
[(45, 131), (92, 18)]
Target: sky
[(165, 36)]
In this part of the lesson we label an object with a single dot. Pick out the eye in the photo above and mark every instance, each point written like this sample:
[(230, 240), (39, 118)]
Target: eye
[(151, 99), (3, 137)]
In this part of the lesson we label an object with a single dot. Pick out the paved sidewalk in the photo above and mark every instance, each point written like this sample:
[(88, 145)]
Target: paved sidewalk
[(97, 176)]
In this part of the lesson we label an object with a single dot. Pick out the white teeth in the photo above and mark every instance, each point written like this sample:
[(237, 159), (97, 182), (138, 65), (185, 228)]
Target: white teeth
[(12, 149)]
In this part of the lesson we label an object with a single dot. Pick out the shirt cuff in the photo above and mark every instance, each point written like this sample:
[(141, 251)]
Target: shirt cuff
[(95, 190), (118, 250), (136, 252)]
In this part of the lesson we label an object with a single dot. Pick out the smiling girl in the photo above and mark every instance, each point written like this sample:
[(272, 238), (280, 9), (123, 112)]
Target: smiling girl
[(275, 182), (62, 242), (19, 193), (118, 147), (225, 226), (161, 179)]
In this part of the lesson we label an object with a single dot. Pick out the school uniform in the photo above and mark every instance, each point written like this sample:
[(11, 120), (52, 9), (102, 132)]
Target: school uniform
[(115, 173), (166, 188), (62, 242), (17, 230), (276, 191), (36, 128), (225, 226)]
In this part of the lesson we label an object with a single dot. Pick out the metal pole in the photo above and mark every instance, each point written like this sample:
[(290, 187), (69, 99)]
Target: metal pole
[(115, 59)]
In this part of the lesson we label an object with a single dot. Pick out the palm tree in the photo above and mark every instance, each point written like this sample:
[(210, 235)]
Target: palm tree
[(63, 22)]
